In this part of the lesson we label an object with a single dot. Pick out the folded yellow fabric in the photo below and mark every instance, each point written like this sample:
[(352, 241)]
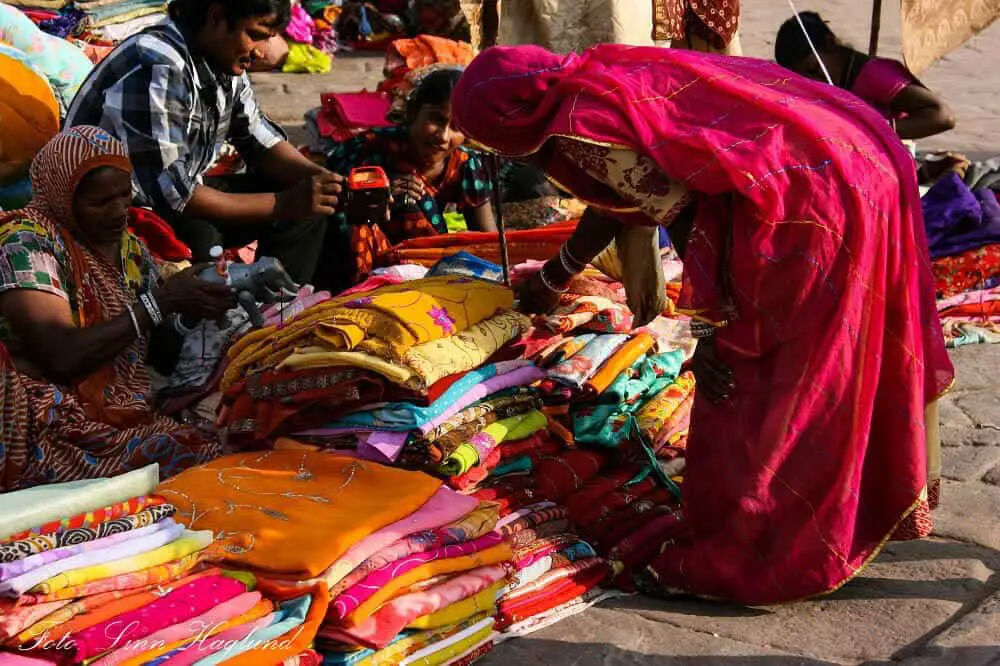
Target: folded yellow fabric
[(448, 649), (321, 357), (466, 350), (190, 543), (385, 322), (484, 602), (429, 309)]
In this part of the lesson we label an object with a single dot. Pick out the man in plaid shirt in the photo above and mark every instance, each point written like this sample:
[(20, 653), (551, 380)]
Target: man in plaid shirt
[(174, 95)]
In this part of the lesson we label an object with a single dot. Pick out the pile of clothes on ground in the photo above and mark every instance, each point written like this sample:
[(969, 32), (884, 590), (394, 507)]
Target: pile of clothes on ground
[(380, 564), (573, 425), (341, 116), (105, 572), (97, 25), (425, 472), (962, 215), (320, 28)]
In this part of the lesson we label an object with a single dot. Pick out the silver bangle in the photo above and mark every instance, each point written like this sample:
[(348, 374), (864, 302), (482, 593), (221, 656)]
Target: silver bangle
[(135, 321), (570, 258), (548, 285), (152, 308), (569, 264), (701, 330)]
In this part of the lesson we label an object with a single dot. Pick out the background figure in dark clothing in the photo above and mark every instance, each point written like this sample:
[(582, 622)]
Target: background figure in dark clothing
[(174, 95)]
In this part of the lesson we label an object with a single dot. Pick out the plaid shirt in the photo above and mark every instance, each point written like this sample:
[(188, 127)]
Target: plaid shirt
[(172, 112)]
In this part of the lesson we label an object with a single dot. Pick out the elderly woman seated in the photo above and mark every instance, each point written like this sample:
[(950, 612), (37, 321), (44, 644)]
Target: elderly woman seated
[(80, 297)]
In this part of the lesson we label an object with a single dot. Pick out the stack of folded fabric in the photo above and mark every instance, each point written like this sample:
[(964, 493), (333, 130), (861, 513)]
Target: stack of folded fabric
[(101, 572), (341, 116), (963, 231), (419, 346), (971, 317), (113, 21), (558, 574), (411, 578), (621, 399), (60, 20)]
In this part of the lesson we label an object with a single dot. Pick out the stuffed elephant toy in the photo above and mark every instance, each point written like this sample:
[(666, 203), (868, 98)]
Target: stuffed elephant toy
[(264, 281)]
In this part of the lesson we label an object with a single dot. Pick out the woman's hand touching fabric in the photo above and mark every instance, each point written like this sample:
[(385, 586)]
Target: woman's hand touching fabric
[(645, 286), (190, 296), (539, 294)]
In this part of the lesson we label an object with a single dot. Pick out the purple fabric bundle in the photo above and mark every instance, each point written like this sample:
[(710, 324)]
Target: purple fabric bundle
[(959, 219), (64, 25)]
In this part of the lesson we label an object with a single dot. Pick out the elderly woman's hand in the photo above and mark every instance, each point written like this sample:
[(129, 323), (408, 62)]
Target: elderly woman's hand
[(193, 298)]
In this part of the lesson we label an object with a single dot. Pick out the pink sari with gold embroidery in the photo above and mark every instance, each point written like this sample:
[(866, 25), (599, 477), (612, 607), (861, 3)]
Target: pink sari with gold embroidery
[(821, 455)]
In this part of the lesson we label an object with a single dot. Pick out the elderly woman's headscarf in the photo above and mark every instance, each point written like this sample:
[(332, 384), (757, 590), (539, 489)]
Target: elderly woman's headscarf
[(59, 167)]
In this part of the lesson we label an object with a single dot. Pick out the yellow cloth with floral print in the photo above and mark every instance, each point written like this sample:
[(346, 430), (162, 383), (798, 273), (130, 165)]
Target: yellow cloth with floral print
[(293, 513), (385, 322), (465, 351), (654, 415)]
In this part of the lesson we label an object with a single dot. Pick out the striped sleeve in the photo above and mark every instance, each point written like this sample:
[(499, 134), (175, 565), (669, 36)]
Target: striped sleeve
[(149, 110), (251, 132)]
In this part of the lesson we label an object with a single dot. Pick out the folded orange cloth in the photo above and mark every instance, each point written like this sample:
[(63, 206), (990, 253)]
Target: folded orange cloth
[(293, 513)]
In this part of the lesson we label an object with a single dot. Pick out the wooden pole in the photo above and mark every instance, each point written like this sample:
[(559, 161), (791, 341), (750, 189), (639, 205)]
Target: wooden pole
[(876, 28), (498, 217)]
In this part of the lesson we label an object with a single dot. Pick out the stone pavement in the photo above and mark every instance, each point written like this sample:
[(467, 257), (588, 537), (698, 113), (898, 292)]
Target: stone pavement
[(929, 603)]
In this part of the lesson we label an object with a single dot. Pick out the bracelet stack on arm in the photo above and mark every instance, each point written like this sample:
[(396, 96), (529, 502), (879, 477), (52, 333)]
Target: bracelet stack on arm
[(703, 329), (135, 321)]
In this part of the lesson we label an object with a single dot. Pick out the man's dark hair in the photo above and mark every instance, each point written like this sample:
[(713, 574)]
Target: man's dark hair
[(192, 14)]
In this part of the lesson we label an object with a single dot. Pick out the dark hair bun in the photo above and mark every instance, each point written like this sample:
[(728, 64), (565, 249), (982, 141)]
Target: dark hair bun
[(791, 46)]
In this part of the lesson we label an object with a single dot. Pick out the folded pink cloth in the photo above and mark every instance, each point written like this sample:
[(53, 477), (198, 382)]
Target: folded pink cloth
[(445, 506), (194, 599), (348, 602), (197, 651), (195, 628), (377, 631)]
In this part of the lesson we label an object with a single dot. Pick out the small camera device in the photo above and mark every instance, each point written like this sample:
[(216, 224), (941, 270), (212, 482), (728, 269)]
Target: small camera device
[(367, 196)]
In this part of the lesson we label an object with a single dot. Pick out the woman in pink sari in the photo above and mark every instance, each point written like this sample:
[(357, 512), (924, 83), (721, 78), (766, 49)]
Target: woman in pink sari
[(806, 273), (885, 84)]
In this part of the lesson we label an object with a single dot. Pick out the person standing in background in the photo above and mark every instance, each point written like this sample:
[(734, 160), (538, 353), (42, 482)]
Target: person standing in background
[(574, 25)]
